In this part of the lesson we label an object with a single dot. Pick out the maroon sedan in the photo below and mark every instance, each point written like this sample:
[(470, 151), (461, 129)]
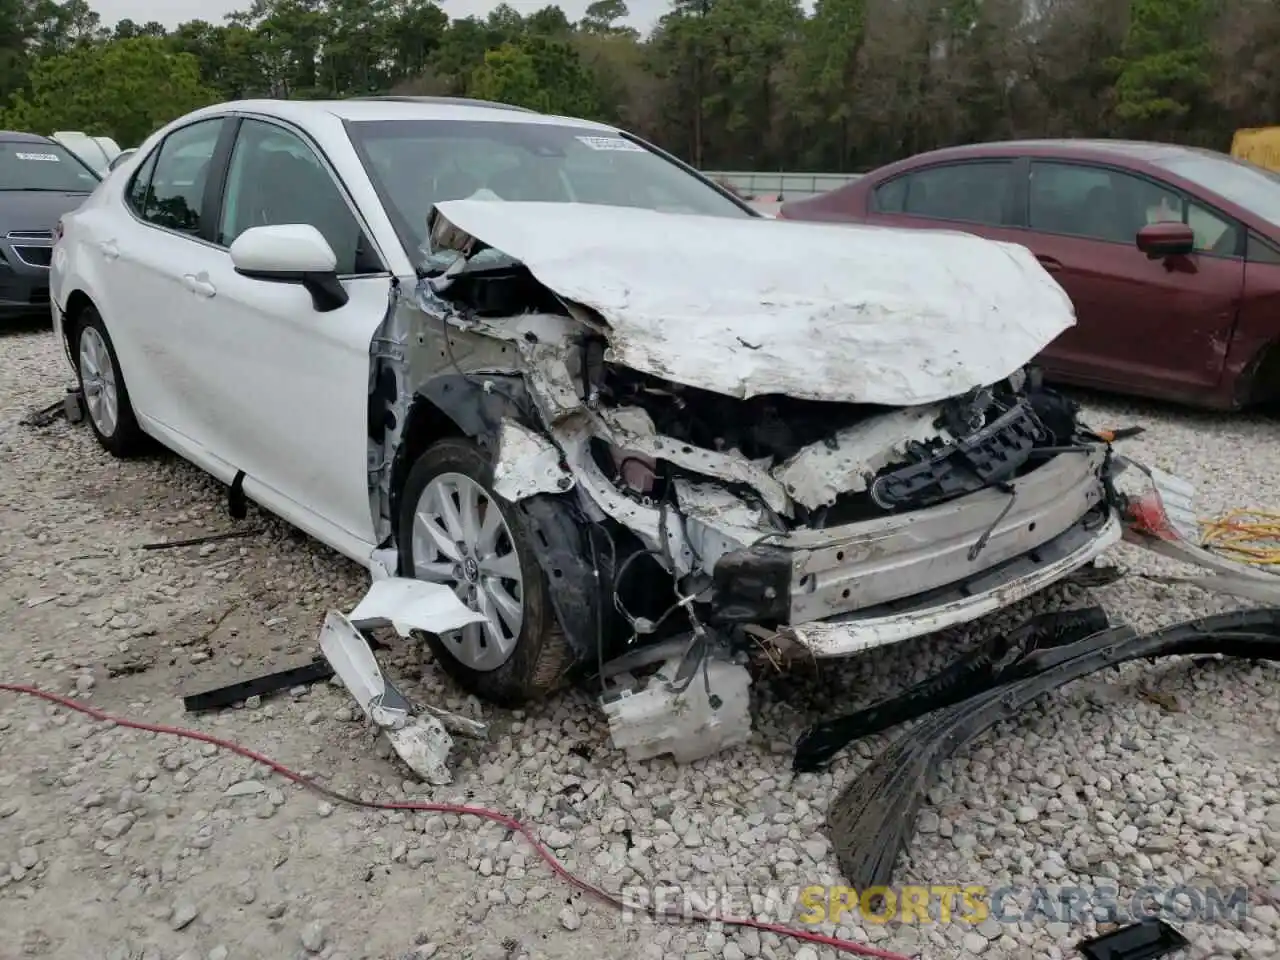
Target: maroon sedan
[(1171, 255)]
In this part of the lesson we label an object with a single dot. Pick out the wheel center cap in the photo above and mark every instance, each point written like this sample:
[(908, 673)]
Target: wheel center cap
[(471, 570)]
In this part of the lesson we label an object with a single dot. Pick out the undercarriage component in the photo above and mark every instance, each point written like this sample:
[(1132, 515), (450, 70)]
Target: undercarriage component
[(1000, 661), (1144, 940), (696, 704), (872, 820)]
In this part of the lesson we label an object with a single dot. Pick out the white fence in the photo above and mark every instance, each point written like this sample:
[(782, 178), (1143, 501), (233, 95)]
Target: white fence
[(783, 185)]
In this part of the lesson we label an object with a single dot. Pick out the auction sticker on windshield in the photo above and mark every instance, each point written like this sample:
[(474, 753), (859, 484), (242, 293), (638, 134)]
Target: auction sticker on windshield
[(611, 143), (38, 156)]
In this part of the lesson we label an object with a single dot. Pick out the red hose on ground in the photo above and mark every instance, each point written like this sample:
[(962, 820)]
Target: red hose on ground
[(613, 900)]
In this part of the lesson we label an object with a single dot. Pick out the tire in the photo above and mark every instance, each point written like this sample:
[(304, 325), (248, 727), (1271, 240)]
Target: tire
[(538, 657), (107, 407)]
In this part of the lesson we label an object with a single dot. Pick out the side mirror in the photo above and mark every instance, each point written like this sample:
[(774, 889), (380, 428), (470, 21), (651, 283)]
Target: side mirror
[(291, 253), (120, 158), (1168, 239)]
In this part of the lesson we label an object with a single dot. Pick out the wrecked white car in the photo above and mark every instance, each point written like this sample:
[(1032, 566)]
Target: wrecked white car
[(617, 411)]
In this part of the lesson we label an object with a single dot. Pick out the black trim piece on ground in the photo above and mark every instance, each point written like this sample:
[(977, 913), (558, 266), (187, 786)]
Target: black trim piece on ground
[(873, 819), (1000, 661), (1144, 940)]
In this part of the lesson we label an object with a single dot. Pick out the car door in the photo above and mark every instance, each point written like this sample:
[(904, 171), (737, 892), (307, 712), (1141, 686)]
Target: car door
[(283, 388), (149, 253), (975, 196), (1156, 326)]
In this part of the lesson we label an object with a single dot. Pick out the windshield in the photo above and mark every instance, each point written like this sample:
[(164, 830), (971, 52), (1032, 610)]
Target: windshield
[(1242, 183), (415, 163), (28, 165)]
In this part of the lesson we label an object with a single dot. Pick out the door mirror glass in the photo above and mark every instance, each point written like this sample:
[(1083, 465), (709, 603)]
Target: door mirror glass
[(1166, 239), (120, 158), (291, 253)]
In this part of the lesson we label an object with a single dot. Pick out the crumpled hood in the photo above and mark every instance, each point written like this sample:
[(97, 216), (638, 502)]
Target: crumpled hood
[(752, 306)]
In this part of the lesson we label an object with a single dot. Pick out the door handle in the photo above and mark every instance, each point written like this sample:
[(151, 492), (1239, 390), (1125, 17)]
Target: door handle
[(109, 249), (198, 285), (1049, 263)]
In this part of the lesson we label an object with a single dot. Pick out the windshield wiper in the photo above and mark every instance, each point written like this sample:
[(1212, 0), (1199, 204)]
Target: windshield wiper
[(42, 190)]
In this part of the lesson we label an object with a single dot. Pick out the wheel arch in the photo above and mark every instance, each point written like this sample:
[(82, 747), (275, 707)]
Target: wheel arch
[(1262, 382), (473, 406)]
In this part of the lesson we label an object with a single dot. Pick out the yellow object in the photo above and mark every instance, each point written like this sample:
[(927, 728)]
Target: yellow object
[(1259, 145), (1252, 536)]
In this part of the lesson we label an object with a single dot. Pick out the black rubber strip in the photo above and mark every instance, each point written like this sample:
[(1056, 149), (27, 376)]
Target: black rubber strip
[(237, 505), (872, 820), (995, 662), (222, 697)]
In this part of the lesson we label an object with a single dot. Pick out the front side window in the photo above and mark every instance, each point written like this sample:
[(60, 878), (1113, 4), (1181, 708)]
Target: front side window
[(174, 194), (276, 178), (1237, 181), (976, 192), (37, 167), (1101, 203), (415, 163)]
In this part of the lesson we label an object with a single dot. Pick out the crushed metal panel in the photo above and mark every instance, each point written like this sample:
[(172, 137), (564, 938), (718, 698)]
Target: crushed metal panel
[(618, 429), (814, 311), (527, 464), (717, 522), (821, 472)]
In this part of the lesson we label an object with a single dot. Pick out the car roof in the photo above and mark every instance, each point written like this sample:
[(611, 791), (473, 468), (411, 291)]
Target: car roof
[(1140, 150), (18, 136), (402, 108)]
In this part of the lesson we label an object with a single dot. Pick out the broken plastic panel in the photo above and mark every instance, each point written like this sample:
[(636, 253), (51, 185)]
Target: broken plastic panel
[(712, 713), (409, 605)]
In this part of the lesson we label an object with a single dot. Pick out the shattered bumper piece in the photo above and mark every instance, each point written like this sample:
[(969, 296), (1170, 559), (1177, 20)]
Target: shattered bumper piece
[(418, 738), (873, 819)]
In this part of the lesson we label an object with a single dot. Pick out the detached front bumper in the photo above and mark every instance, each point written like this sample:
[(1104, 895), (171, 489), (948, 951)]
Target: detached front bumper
[(840, 591)]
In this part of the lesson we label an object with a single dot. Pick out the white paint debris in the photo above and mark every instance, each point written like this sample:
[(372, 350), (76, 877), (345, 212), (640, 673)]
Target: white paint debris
[(744, 307), (527, 464)]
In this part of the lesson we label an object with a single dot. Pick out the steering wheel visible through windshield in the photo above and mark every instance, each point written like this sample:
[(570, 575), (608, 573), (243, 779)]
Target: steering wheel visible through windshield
[(415, 164)]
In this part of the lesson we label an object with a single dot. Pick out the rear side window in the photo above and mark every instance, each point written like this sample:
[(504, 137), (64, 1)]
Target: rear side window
[(168, 189), (974, 192), (890, 197)]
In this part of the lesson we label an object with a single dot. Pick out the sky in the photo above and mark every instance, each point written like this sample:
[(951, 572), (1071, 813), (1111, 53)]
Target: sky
[(644, 13)]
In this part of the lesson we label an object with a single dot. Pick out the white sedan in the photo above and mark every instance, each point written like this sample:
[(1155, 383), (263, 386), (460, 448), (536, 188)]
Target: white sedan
[(543, 362)]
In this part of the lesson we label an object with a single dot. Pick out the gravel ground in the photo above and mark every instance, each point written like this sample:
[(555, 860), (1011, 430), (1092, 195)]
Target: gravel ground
[(125, 845)]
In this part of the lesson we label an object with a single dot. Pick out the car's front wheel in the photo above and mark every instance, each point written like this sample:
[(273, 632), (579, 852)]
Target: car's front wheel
[(453, 529), (102, 387)]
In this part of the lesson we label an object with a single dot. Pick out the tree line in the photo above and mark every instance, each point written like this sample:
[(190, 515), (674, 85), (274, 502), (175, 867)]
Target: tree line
[(740, 84)]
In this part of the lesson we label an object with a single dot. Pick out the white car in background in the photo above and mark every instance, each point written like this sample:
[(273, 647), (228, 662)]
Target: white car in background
[(543, 362)]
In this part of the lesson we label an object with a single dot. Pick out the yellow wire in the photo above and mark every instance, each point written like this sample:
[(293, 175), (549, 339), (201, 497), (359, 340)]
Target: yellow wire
[(1252, 536)]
